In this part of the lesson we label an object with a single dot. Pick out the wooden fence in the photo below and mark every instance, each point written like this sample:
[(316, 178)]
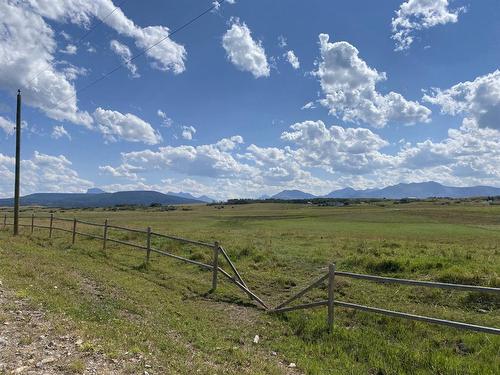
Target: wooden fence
[(216, 248), (331, 301), (235, 277)]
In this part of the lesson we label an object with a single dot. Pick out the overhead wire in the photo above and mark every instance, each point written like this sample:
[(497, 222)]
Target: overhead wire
[(81, 39), (215, 5)]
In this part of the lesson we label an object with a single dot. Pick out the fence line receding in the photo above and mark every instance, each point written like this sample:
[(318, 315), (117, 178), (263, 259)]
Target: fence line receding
[(237, 280), (216, 248)]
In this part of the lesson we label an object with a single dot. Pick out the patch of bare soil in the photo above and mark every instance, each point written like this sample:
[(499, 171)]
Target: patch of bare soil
[(31, 344)]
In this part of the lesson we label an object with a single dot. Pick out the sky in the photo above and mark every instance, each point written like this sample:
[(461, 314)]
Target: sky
[(252, 98)]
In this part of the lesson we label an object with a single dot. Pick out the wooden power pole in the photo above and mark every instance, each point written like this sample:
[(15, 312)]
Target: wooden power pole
[(18, 164)]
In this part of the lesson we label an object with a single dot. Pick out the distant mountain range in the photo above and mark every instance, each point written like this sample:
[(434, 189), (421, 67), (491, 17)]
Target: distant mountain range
[(202, 198), (98, 198), (293, 194), (412, 190), (95, 191), (95, 198)]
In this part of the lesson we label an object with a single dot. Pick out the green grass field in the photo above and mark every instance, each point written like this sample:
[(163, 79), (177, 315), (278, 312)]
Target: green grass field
[(165, 312)]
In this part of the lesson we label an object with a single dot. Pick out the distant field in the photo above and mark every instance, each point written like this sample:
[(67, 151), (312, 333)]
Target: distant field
[(165, 313)]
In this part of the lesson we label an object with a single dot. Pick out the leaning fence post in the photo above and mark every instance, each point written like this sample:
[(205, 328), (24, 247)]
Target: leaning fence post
[(74, 230), (32, 222), (51, 224), (215, 266), (105, 235), (331, 281), (4, 221), (148, 245)]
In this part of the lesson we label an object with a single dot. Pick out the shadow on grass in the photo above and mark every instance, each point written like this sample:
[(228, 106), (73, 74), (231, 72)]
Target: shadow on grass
[(146, 271)]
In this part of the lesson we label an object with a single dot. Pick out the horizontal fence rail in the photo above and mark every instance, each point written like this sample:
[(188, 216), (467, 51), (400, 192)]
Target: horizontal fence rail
[(330, 302), (397, 314), (450, 323), (180, 239), (429, 284), (238, 281), (128, 229), (89, 223)]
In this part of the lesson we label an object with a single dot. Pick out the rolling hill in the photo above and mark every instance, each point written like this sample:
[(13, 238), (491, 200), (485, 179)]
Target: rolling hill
[(292, 194), (71, 200)]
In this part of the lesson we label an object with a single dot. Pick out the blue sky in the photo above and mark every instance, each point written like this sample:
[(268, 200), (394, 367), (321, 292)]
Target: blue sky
[(253, 98)]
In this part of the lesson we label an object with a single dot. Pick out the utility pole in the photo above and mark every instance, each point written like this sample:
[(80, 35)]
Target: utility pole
[(18, 164)]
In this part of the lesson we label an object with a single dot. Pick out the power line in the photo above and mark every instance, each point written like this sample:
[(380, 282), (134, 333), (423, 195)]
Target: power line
[(102, 21), (215, 5), (77, 43)]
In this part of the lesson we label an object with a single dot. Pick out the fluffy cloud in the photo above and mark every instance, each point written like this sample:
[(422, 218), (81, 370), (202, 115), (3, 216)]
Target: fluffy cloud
[(28, 46), (59, 131), (7, 126), (188, 132), (125, 170), (337, 149), (229, 144), (70, 49), (211, 160), (318, 159), (479, 99), (469, 155), (349, 85), (415, 15), (124, 52), (117, 126), (167, 122), (278, 167), (217, 3), (309, 105), (41, 173), (167, 55), (292, 59), (245, 53)]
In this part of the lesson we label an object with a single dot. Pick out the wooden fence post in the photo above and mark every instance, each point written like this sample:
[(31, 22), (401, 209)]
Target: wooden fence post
[(4, 221), (32, 222), (215, 267), (51, 224), (148, 245), (105, 235), (74, 230), (331, 281)]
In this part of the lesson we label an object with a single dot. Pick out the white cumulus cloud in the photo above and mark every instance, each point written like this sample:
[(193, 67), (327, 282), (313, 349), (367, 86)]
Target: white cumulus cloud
[(27, 48), (117, 126), (210, 160), (59, 131), (350, 150), (414, 15), (41, 173), (244, 52), (188, 132), (28, 45), (167, 122), (167, 55), (125, 54), (349, 86), (479, 99), (7, 126), (292, 59), (70, 49)]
